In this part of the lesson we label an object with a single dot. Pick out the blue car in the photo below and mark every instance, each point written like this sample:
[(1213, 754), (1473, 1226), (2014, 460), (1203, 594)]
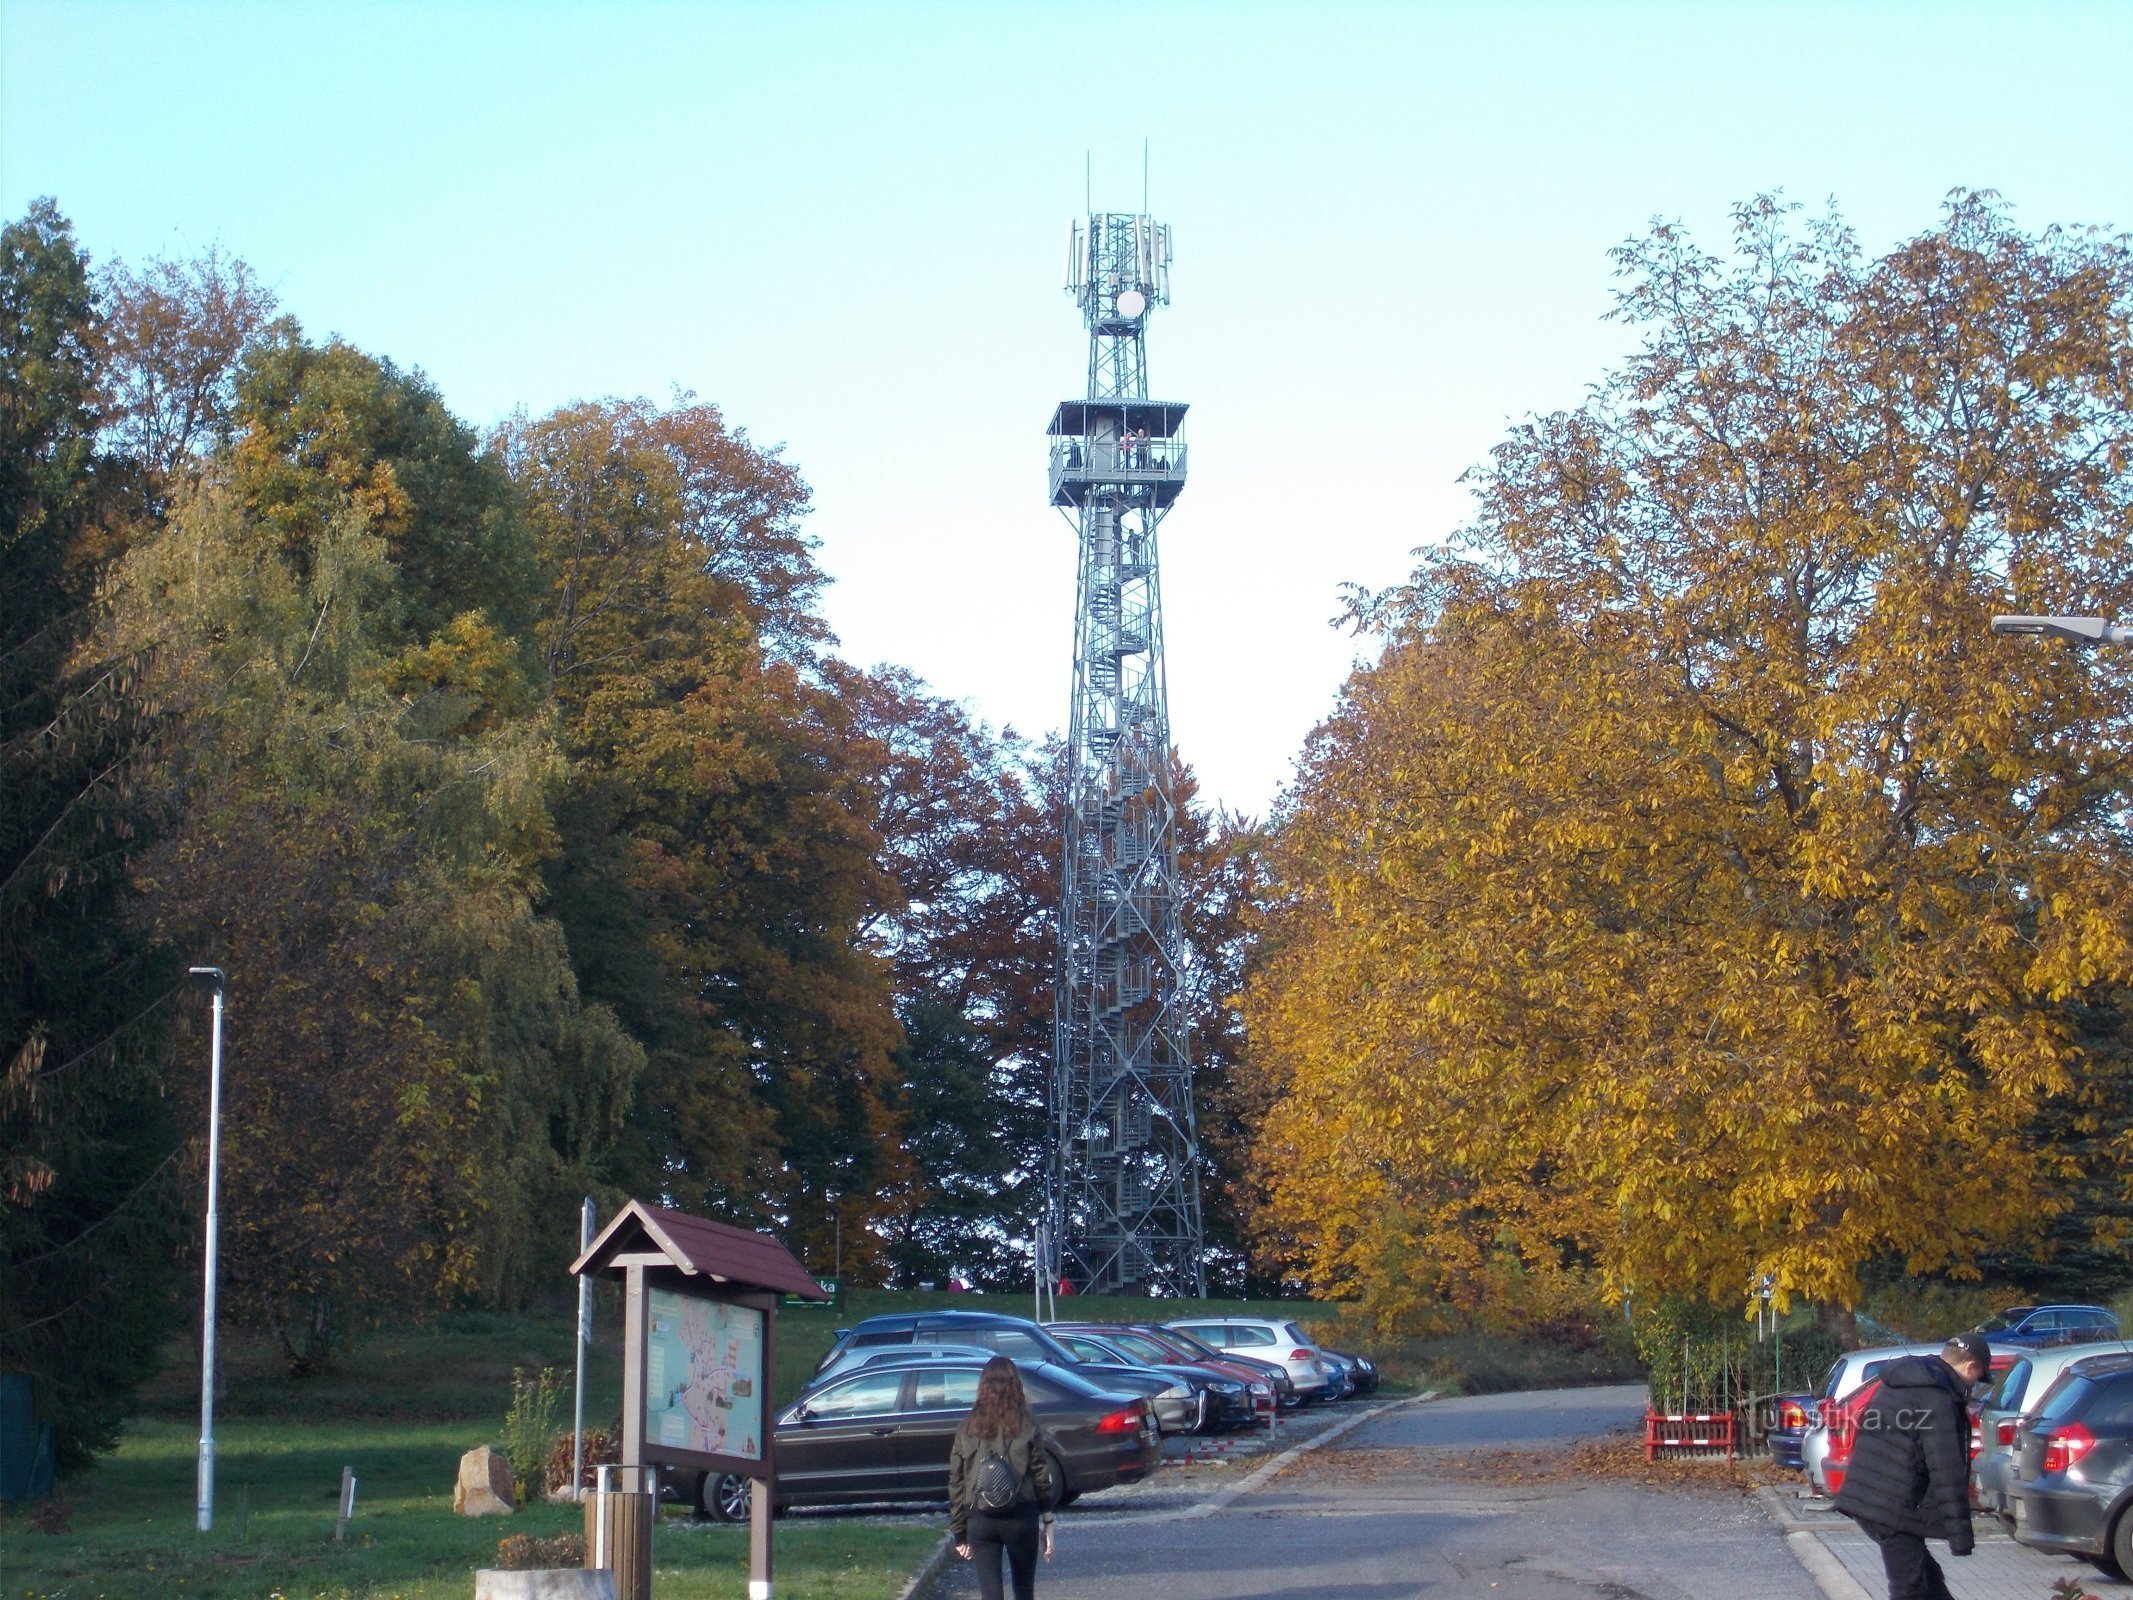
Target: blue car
[(2035, 1327), (1792, 1415)]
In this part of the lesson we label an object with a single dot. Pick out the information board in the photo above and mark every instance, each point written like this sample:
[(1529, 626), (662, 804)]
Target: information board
[(704, 1377)]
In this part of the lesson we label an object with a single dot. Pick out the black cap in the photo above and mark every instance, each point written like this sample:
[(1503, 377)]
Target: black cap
[(1968, 1347)]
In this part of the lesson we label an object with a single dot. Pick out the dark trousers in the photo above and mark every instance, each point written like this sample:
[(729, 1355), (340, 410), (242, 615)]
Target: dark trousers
[(1014, 1532), (1913, 1573)]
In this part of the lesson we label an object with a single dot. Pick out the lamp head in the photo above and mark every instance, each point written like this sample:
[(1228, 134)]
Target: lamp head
[(206, 978), (2075, 630)]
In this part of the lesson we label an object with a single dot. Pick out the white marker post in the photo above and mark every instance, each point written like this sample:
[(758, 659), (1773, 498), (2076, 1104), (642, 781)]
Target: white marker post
[(211, 978)]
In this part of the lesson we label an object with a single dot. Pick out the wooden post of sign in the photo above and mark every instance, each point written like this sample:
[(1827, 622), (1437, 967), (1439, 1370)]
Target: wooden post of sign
[(634, 1333), (619, 1525)]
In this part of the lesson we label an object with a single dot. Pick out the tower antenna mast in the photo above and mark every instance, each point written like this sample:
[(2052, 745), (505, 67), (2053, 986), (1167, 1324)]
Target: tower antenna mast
[(1123, 1179)]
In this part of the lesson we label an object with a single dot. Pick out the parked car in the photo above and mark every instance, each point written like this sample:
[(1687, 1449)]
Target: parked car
[(2072, 1479), (1362, 1371), (1271, 1372), (1020, 1340), (1271, 1339), (1220, 1401), (1847, 1374), (2016, 1391), (1791, 1415), (2038, 1327), (883, 1432)]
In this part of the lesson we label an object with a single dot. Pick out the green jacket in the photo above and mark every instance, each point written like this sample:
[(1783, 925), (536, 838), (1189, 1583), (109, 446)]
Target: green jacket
[(1028, 1452)]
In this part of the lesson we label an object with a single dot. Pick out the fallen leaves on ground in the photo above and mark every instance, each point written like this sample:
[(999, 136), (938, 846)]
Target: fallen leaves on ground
[(1612, 1459)]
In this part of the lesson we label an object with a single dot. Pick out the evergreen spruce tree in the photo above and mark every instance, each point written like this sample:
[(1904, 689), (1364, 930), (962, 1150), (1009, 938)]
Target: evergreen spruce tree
[(89, 1231)]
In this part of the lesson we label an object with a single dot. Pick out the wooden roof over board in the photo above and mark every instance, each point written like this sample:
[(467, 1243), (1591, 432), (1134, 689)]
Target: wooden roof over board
[(699, 1247)]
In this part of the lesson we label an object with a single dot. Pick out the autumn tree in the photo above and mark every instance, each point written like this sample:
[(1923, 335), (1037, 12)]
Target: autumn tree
[(973, 849), (89, 1223), (173, 335), (358, 807), (1695, 889), (716, 862), (1219, 881)]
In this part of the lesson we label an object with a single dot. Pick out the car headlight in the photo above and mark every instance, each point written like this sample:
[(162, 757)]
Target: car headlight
[(1226, 1386), (1262, 1388)]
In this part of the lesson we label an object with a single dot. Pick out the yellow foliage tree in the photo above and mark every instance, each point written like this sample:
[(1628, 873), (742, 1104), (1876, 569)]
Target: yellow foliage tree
[(1694, 889)]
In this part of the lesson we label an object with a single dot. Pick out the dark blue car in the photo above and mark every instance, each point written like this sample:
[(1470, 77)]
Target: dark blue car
[(2035, 1327)]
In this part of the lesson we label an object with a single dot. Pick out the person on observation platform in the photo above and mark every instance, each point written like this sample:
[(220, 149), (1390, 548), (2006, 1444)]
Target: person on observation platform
[(1909, 1478)]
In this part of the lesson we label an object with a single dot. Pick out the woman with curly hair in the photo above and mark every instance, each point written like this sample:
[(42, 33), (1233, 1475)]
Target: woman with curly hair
[(1001, 1486)]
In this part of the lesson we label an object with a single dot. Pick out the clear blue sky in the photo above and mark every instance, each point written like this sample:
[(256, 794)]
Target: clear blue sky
[(845, 224)]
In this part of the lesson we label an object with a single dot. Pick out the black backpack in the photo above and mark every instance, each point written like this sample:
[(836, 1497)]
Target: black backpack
[(997, 1486)]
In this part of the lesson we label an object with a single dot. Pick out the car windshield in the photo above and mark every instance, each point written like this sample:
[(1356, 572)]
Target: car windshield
[(2007, 1393), (1190, 1345), (1297, 1333), (1140, 1348), (2006, 1320)]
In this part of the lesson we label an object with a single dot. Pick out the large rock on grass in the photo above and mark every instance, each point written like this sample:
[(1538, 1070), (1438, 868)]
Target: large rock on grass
[(484, 1487)]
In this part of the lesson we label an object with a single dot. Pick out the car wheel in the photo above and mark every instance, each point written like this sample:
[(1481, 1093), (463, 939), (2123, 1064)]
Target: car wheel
[(1068, 1494), (2120, 1561), (726, 1496)]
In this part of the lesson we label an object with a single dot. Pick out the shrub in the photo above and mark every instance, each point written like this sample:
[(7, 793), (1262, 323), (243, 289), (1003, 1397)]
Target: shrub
[(522, 1552), (530, 1423), (54, 1516), (603, 1448)]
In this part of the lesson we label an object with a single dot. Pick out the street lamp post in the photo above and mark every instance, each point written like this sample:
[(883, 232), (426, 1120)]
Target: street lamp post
[(2075, 630), (210, 978)]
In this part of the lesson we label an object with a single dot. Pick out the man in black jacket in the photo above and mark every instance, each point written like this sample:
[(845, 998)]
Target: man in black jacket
[(1909, 1478)]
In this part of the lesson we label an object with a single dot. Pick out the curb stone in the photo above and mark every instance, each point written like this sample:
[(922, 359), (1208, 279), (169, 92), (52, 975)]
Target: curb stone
[(1830, 1575), (930, 1569)]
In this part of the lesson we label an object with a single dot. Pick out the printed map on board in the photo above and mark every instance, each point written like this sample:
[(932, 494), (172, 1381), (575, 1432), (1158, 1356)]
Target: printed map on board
[(703, 1385)]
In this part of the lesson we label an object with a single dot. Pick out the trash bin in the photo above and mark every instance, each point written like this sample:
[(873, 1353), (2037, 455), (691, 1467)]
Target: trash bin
[(618, 1535)]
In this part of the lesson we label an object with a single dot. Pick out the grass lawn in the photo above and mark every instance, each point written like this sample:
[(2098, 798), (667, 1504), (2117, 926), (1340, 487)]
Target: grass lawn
[(399, 1408)]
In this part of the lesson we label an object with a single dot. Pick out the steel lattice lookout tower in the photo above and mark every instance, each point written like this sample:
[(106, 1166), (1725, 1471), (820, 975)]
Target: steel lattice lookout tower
[(1125, 1188)]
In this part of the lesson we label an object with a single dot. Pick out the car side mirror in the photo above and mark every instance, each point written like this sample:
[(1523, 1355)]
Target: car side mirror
[(800, 1413)]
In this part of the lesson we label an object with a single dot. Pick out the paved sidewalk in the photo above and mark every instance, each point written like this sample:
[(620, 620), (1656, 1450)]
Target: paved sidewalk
[(2000, 1569)]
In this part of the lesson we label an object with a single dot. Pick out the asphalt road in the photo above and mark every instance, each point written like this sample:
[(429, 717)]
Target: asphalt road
[(1384, 1514)]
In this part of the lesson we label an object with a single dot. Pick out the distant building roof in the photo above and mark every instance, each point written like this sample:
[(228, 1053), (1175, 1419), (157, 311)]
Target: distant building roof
[(699, 1247)]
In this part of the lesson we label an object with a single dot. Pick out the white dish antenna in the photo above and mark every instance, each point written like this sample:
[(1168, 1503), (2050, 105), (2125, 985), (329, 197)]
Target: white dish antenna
[(1132, 303)]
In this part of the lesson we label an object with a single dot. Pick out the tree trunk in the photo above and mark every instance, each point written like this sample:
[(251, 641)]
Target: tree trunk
[(1838, 1320)]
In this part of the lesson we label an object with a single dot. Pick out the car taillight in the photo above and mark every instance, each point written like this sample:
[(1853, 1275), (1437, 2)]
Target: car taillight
[(2004, 1433), (1791, 1414), (2067, 1445), (1299, 1355), (1127, 1420), (1977, 1442)]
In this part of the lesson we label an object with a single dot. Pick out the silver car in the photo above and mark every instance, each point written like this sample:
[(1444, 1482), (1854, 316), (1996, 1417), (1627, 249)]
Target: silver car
[(1271, 1339), (2015, 1392), (1851, 1372)]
